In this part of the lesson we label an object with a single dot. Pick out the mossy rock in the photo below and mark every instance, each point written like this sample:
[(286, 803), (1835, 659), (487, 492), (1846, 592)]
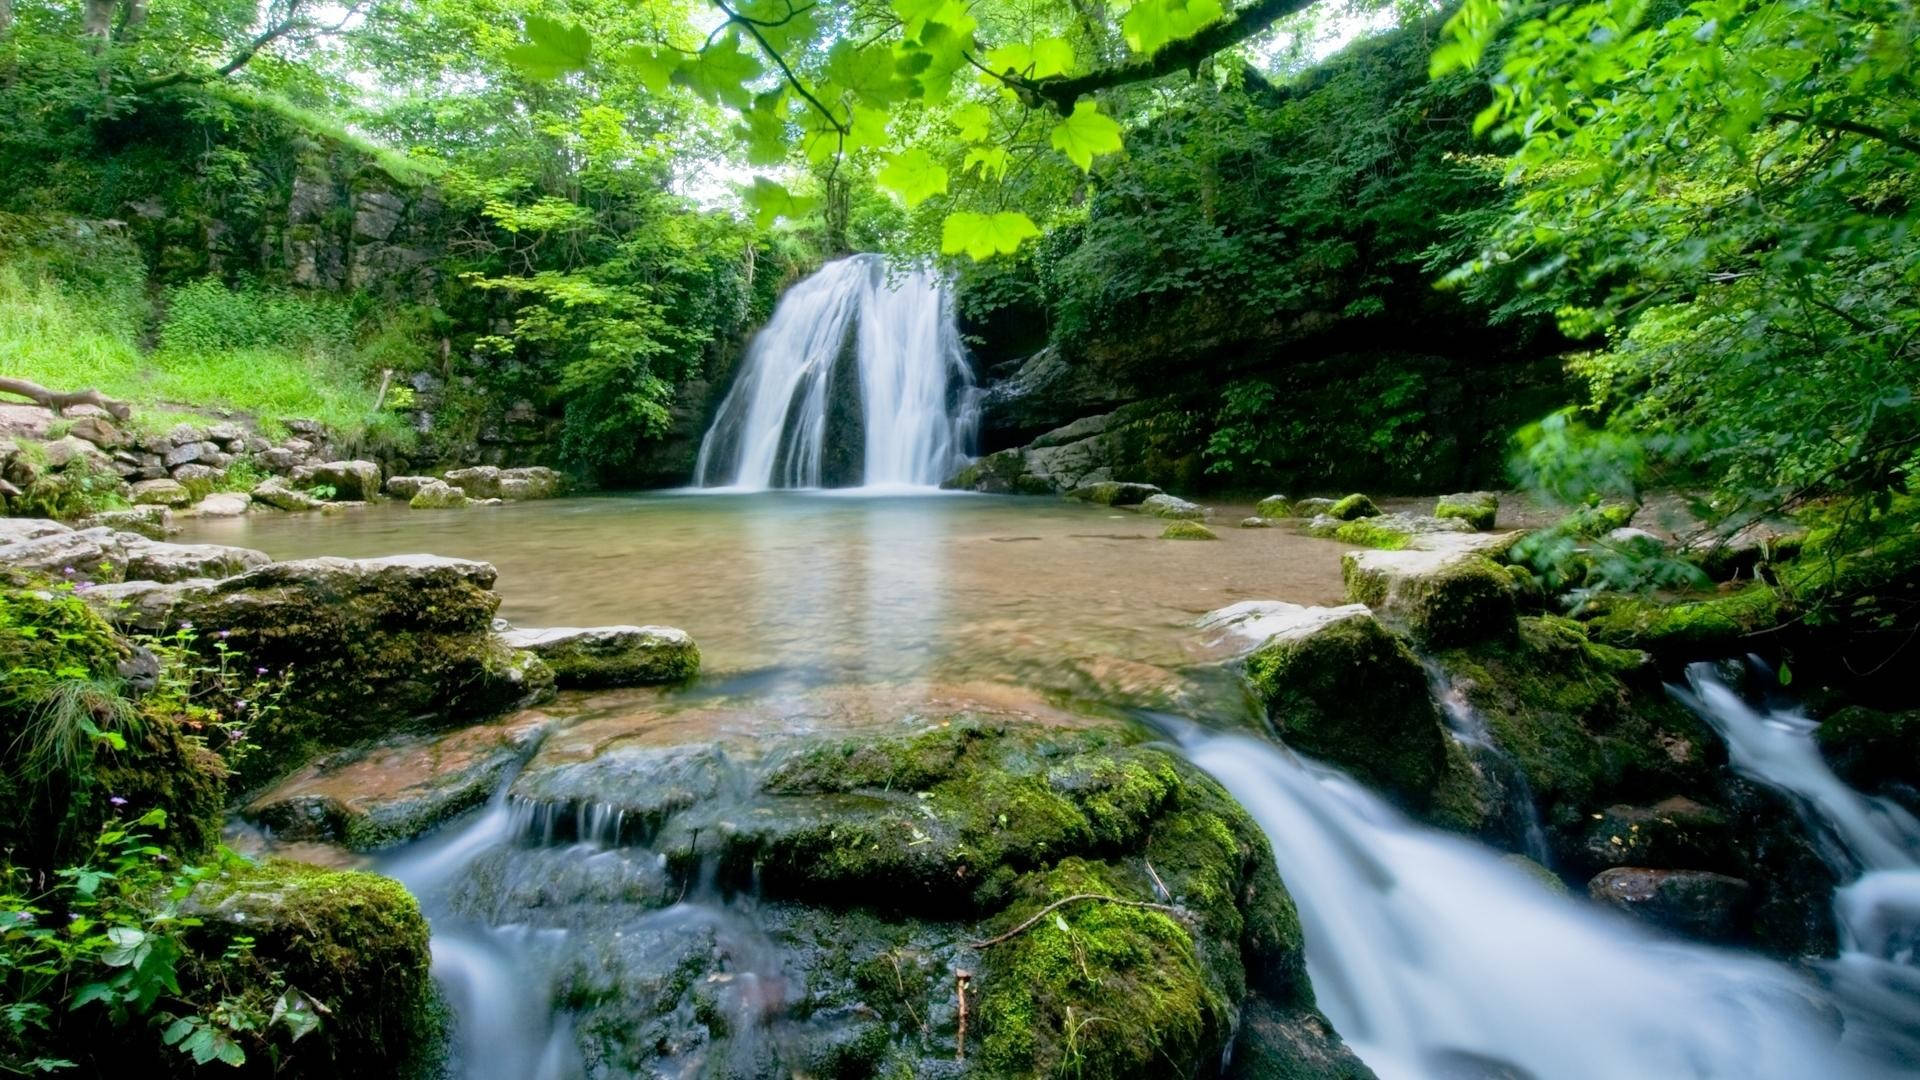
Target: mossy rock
[(1479, 509), (1352, 507), (1442, 598), (1875, 751), (1113, 493), (1686, 629), (1349, 692), (354, 942), (1187, 530), (1274, 506)]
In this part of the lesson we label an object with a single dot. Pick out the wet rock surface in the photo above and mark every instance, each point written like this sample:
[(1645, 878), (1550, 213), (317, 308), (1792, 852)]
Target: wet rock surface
[(1698, 903), (601, 656)]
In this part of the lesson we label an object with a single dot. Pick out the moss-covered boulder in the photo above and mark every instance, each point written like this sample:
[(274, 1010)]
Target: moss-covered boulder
[(1187, 530), (1311, 508), (353, 942), (1352, 507), (1348, 691), (512, 485), (350, 481), (599, 656), (373, 646), (1479, 509), (437, 495), (1441, 598), (406, 487), (1389, 532), (1877, 752), (1113, 493), (1274, 506), (1717, 625), (1162, 505)]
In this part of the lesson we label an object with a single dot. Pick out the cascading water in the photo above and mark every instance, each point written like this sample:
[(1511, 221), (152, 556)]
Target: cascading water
[(1436, 957), (789, 420), (1873, 843)]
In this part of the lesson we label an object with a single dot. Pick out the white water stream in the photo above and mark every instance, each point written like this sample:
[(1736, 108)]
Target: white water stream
[(916, 394), (1436, 957)]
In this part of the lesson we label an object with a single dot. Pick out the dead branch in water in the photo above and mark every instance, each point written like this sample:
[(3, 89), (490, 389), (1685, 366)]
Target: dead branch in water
[(60, 402)]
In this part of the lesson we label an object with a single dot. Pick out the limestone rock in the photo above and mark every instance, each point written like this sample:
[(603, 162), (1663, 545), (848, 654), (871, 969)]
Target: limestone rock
[(437, 495), (1479, 509), (398, 789), (1442, 598), (1114, 493), (1187, 530), (100, 432), (191, 453), (1338, 686), (1255, 523), (92, 554), (147, 560), (14, 530), (1698, 903), (277, 493), (223, 504), (351, 481), (1353, 507), (1160, 504), (1274, 506), (198, 473), (152, 522), (64, 451), (1311, 508), (406, 487), (1253, 622), (1389, 531), (611, 655), (489, 482)]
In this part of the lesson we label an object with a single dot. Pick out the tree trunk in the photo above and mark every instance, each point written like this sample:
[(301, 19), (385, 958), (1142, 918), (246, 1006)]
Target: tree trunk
[(6, 16), (96, 21), (60, 402)]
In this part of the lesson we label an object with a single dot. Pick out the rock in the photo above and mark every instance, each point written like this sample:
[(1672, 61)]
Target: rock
[(1253, 622), (1635, 541), (275, 492), (1670, 835), (351, 481), (1442, 598), (1187, 530), (192, 453), (1340, 687), (1877, 752), (376, 214), (147, 560), (14, 530), (1390, 532), (1492, 545), (223, 504), (1716, 625), (611, 655), (197, 474), (64, 451), (1740, 553), (1477, 508), (437, 495), (1697, 903), (277, 459), (1114, 493), (1312, 508), (1352, 507), (91, 554), (342, 507), (488, 482), (1274, 506), (99, 431), (183, 433), (225, 433), (1160, 504), (406, 487), (353, 942), (1255, 523), (395, 791), (376, 646), (153, 522)]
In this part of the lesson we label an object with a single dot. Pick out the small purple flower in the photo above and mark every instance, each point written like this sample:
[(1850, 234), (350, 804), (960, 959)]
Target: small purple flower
[(118, 800), (21, 916), (82, 586), (186, 626), (225, 634), (238, 734), (241, 704), (259, 671), (68, 570)]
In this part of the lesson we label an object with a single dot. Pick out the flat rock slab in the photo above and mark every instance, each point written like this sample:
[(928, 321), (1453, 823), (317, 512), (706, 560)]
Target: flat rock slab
[(1443, 597), (1477, 543), (396, 791), (1255, 622), (105, 555), (602, 656)]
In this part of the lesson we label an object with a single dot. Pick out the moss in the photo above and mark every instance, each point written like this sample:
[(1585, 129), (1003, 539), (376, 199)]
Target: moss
[(1365, 533), (1353, 694), (1352, 507), (1715, 626), (1479, 509), (355, 942), (1187, 530), (1119, 992), (1441, 600), (438, 497), (967, 479), (1029, 484), (1274, 506), (1593, 521), (1873, 750), (1588, 724)]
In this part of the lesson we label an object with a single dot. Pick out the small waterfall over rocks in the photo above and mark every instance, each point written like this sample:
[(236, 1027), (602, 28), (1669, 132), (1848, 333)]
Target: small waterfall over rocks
[(858, 380)]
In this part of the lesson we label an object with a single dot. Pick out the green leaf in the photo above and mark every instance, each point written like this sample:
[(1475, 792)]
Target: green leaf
[(868, 74), (653, 67), (914, 176), (1086, 134), (982, 236), (765, 129), (771, 201), (1151, 24), (720, 73), (553, 49), (1052, 56), (973, 121), (1786, 674), (989, 162)]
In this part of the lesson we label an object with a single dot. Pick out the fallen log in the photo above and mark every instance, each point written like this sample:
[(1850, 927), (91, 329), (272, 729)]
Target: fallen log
[(59, 402)]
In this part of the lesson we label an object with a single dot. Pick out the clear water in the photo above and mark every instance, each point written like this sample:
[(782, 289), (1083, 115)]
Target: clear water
[(917, 401)]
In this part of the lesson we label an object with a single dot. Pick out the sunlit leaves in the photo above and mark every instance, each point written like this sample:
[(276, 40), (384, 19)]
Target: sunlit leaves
[(1466, 36), (770, 202), (654, 67), (987, 162), (1085, 134), (720, 73), (982, 236), (869, 74), (552, 49), (765, 129), (1042, 59), (973, 121), (914, 176), (1151, 25)]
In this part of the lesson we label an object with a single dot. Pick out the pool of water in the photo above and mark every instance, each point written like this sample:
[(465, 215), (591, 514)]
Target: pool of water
[(816, 588)]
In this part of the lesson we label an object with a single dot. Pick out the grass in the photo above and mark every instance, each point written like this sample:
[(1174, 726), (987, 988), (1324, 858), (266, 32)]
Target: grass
[(68, 337)]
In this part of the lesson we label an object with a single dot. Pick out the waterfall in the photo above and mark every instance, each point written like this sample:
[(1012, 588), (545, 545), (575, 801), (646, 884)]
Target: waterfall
[(858, 379), (1436, 957)]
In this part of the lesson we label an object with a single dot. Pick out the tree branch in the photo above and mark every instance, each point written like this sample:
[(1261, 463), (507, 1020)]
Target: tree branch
[(1854, 127), (1061, 92), (291, 24), (774, 54), (58, 402)]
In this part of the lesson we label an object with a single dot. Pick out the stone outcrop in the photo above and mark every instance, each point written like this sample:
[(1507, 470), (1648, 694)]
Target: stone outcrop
[(350, 480), (1187, 530), (1480, 509), (601, 656), (1442, 598), (437, 495), (511, 485), (1698, 903), (105, 555), (1162, 505)]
